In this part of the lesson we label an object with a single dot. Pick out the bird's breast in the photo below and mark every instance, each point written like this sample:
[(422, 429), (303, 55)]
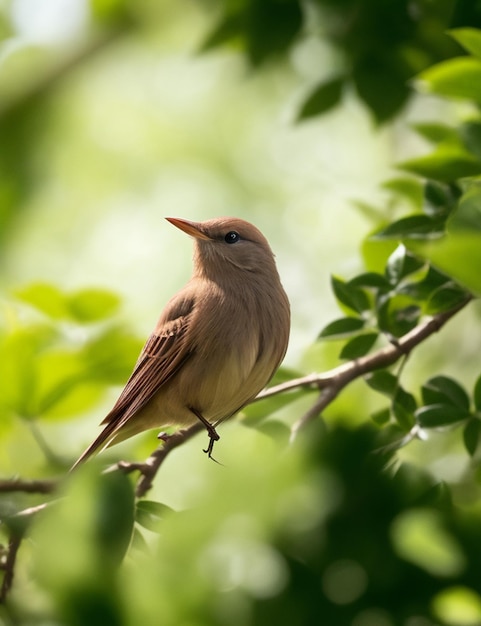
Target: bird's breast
[(235, 351), (226, 366)]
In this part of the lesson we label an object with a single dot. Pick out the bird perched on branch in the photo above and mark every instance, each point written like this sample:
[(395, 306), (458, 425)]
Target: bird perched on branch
[(217, 343)]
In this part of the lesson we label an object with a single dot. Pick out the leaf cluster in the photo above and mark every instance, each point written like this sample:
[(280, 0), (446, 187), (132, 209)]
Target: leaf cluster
[(421, 275), (382, 45), (58, 352)]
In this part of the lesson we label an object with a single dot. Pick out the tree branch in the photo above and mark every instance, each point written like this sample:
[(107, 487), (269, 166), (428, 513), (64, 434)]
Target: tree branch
[(8, 565), (333, 381), (150, 467), (27, 486)]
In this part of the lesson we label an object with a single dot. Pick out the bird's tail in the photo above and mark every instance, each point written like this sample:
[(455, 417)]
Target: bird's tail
[(103, 440)]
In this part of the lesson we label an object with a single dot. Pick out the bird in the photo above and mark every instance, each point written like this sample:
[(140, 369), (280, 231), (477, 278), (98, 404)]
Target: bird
[(217, 343)]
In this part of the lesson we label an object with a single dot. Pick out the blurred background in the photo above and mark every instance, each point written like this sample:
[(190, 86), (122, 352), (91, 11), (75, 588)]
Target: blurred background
[(125, 131), (116, 114), (111, 122)]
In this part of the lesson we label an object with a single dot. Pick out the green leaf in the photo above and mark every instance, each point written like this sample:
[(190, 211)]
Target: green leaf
[(19, 351), (114, 516), (342, 327), (477, 394), (149, 514), (404, 417), (401, 263), (379, 83), (398, 314), (471, 435), (86, 305), (44, 297), (92, 525), (70, 398), (323, 98), (457, 78), (381, 417), (228, 28), (409, 188), (445, 390), (57, 374), (446, 298), (421, 290), (458, 254), (383, 381), (417, 226), (436, 132), (469, 38), (445, 164), (375, 252), (92, 305), (285, 22), (437, 415), (470, 133), (351, 297), (405, 399), (111, 355), (439, 199), (467, 216), (371, 280), (358, 346), (138, 542)]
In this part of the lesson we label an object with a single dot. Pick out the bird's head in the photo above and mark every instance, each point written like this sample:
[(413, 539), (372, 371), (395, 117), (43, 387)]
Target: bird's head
[(226, 242)]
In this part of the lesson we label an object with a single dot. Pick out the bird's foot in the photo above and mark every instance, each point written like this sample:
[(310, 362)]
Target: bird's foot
[(213, 437), (211, 431)]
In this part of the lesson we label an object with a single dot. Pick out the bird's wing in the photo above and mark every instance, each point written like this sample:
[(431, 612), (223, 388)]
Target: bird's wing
[(164, 353)]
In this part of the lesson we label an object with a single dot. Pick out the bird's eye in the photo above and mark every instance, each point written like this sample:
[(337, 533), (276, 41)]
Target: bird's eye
[(232, 237)]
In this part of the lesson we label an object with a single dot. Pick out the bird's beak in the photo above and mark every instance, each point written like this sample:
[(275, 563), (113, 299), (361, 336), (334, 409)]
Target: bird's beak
[(191, 228)]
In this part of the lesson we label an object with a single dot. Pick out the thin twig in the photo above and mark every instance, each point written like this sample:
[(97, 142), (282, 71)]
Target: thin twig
[(150, 467), (377, 360), (9, 566), (333, 381), (27, 486)]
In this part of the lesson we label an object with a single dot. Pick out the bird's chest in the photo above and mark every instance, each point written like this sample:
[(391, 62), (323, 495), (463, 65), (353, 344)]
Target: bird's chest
[(230, 325), (226, 352)]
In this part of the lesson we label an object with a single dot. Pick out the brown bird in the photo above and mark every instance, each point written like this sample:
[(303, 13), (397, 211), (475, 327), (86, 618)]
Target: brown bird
[(217, 343)]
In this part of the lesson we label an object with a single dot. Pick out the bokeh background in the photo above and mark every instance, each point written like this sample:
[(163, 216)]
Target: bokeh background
[(116, 114)]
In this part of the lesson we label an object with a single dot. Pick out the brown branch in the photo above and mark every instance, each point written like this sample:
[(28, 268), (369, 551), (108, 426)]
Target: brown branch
[(27, 486), (9, 565), (333, 381), (150, 467)]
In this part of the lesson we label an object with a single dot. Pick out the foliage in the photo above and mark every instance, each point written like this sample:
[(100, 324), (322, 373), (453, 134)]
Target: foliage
[(383, 44), (342, 527)]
